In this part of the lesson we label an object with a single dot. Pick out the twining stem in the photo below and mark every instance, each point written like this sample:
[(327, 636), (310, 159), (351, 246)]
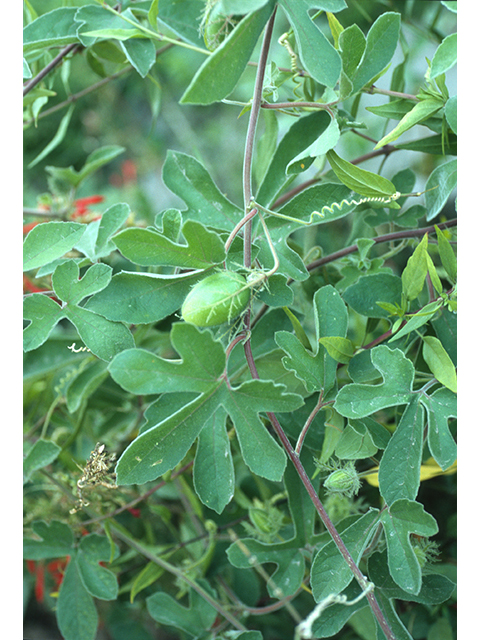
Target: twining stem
[(249, 143), (292, 454)]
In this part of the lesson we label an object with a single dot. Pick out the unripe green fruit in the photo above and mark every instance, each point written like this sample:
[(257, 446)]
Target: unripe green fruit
[(217, 299), (344, 481)]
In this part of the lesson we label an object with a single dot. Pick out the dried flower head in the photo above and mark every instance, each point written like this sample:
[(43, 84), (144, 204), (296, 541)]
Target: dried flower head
[(97, 472)]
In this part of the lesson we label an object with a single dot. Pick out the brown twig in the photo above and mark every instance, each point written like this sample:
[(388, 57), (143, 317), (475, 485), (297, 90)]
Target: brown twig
[(49, 67)]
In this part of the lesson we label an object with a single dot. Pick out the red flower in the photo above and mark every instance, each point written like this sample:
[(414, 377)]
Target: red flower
[(29, 226), (82, 204), (56, 569)]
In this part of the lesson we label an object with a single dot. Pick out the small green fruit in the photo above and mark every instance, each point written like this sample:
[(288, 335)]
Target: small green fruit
[(217, 299), (344, 481)]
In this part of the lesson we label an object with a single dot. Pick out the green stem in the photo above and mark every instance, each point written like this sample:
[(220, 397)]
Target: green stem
[(252, 126), (153, 34)]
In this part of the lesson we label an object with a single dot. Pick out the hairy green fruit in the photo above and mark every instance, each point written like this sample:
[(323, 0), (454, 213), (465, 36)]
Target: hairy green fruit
[(344, 481), (217, 299)]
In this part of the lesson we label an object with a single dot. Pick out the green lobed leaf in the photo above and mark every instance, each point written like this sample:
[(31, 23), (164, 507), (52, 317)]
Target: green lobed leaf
[(53, 29), (441, 405), (99, 581), (318, 56), (142, 298), (401, 519), (399, 472), (289, 574), (363, 295), (44, 313), (76, 613), (439, 362), (42, 453), (436, 588), (103, 337), (330, 572), (290, 563), (316, 370), (164, 445), (219, 74), (71, 289), (359, 400), (194, 620), (56, 541), (145, 247), (381, 43), (359, 180), (189, 180), (213, 472), (48, 241)]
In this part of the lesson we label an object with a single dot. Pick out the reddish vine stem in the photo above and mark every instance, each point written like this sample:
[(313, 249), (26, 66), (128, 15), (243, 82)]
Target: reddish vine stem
[(294, 457), (51, 65), (388, 237)]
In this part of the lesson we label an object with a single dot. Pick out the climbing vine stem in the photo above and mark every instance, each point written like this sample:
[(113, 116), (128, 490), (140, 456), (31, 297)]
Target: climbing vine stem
[(294, 457)]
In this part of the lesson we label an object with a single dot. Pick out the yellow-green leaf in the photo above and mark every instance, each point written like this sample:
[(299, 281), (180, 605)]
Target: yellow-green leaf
[(439, 362)]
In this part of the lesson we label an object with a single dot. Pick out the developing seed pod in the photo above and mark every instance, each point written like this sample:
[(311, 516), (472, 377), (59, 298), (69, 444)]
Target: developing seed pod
[(218, 298), (344, 481)]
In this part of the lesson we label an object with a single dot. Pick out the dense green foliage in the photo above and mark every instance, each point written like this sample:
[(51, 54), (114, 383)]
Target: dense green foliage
[(240, 344)]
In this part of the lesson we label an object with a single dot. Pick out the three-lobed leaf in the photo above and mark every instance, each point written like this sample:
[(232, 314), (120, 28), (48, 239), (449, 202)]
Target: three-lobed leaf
[(400, 520), (164, 445), (146, 247), (359, 400)]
